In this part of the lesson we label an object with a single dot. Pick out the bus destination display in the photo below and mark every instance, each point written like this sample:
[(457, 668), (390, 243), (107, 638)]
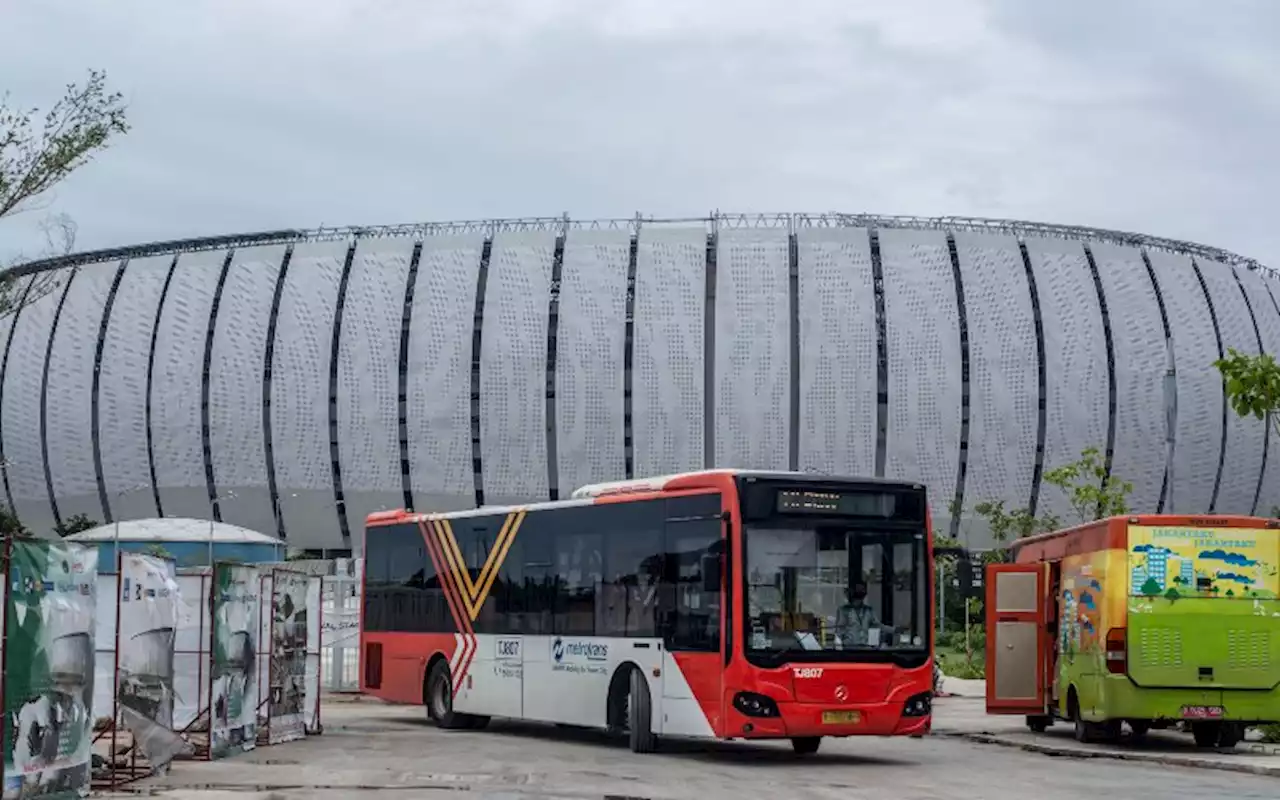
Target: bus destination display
[(843, 504)]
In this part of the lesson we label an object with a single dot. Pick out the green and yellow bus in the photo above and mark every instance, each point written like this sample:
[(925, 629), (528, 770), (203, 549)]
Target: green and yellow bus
[(1152, 621)]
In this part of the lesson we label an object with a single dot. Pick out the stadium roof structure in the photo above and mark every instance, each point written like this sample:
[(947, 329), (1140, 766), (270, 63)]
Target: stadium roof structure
[(713, 221)]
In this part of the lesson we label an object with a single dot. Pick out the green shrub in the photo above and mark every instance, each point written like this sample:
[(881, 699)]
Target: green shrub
[(1270, 733)]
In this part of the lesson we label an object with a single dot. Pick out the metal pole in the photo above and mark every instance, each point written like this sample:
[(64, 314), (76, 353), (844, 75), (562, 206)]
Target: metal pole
[(1171, 421)]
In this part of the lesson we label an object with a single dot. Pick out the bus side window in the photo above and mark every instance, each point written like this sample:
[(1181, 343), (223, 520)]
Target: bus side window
[(627, 603)]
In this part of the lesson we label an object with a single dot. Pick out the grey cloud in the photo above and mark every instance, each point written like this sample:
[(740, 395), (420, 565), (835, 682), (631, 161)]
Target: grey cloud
[(254, 116)]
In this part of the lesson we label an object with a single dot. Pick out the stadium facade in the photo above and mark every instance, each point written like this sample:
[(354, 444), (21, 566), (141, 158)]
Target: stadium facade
[(294, 381)]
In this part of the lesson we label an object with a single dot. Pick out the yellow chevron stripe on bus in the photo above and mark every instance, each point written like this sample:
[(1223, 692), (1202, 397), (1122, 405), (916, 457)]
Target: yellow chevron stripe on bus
[(474, 593)]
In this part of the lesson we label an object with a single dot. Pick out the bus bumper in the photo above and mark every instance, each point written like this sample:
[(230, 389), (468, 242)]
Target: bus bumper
[(812, 719)]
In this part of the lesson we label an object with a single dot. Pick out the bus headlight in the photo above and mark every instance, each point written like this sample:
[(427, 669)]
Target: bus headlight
[(920, 705), (755, 705)]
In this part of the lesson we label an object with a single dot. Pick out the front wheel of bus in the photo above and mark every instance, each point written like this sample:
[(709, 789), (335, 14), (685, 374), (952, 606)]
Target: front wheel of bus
[(806, 745), (640, 715)]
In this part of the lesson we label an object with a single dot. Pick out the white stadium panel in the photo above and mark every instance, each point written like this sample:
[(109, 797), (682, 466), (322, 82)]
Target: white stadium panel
[(1243, 462), (1265, 311), (1003, 370), (922, 327), (176, 433), (438, 377), (837, 351), (590, 349), (369, 379), (24, 459), (513, 368), (69, 405), (753, 349), (1075, 350), (300, 395), (1198, 433), (667, 383), (1137, 335), (6, 329), (122, 389), (236, 442)]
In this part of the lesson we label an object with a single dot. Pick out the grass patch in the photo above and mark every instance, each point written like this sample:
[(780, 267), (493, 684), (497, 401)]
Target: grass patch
[(954, 664)]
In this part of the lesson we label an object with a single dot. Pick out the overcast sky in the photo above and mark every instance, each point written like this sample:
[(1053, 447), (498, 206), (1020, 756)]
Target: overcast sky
[(1161, 116)]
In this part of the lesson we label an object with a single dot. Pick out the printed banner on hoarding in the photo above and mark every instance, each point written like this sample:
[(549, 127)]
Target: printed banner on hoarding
[(148, 622), (235, 647), (48, 680), (288, 656)]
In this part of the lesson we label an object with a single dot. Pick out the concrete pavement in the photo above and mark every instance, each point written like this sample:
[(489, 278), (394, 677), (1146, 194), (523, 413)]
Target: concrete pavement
[(966, 717), (372, 751)]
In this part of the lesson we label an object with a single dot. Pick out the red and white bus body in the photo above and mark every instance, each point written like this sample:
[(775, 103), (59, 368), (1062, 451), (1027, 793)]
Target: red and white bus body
[(527, 639)]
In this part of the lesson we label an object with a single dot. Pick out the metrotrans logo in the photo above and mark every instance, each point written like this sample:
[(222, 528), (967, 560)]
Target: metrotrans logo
[(574, 651)]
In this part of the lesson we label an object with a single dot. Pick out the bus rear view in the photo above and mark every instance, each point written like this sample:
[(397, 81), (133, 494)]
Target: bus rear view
[(717, 605)]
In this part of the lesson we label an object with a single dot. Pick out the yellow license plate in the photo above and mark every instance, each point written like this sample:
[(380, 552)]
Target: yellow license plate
[(841, 717)]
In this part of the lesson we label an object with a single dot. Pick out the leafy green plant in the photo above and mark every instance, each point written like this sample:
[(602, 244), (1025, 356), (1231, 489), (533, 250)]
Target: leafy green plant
[(76, 523), (1270, 733), (1092, 493), (1252, 384)]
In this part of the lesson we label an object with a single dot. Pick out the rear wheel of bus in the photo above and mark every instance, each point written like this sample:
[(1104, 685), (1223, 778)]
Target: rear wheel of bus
[(439, 697), (639, 715)]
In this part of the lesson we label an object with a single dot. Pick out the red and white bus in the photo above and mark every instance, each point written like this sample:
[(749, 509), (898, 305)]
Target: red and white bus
[(719, 604)]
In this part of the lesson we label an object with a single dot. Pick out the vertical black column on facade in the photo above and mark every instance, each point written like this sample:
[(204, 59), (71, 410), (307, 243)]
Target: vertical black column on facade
[(1217, 335), (1042, 382), (44, 399), (477, 337), (402, 380), (108, 515), (151, 370), (882, 355), (1109, 458), (793, 325), (709, 357), (205, 441), (335, 345), (4, 373), (628, 360), (962, 464), (268, 372), (1172, 419), (1266, 429), (553, 342)]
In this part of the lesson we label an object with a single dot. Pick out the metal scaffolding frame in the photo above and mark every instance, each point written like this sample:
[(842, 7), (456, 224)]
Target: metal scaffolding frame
[(713, 222)]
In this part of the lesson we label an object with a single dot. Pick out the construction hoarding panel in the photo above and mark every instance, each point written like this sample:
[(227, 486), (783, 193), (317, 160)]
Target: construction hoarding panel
[(48, 668), (236, 624)]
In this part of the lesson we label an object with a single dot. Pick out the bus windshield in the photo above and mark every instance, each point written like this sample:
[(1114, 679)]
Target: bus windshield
[(844, 592)]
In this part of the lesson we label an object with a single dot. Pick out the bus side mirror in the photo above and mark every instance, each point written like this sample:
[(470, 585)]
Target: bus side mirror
[(711, 572)]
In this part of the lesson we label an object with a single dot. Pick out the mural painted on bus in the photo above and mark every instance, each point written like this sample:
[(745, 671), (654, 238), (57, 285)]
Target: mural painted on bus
[(1181, 561)]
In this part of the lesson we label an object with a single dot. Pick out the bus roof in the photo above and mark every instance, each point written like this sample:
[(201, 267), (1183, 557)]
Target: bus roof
[(587, 495), (713, 477), (1097, 531)]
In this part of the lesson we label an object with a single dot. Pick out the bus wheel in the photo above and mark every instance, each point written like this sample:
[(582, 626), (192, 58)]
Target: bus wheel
[(1206, 733), (640, 715), (1231, 734), (440, 698), (806, 745)]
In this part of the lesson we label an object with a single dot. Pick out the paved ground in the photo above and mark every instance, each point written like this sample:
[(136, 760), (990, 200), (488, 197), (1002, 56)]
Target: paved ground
[(375, 752)]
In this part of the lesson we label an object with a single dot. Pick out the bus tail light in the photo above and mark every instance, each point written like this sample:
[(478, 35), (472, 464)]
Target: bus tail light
[(751, 704), (373, 665), (1117, 651)]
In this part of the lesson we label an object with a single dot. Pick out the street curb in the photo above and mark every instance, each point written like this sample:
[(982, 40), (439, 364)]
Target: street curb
[(1150, 758)]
